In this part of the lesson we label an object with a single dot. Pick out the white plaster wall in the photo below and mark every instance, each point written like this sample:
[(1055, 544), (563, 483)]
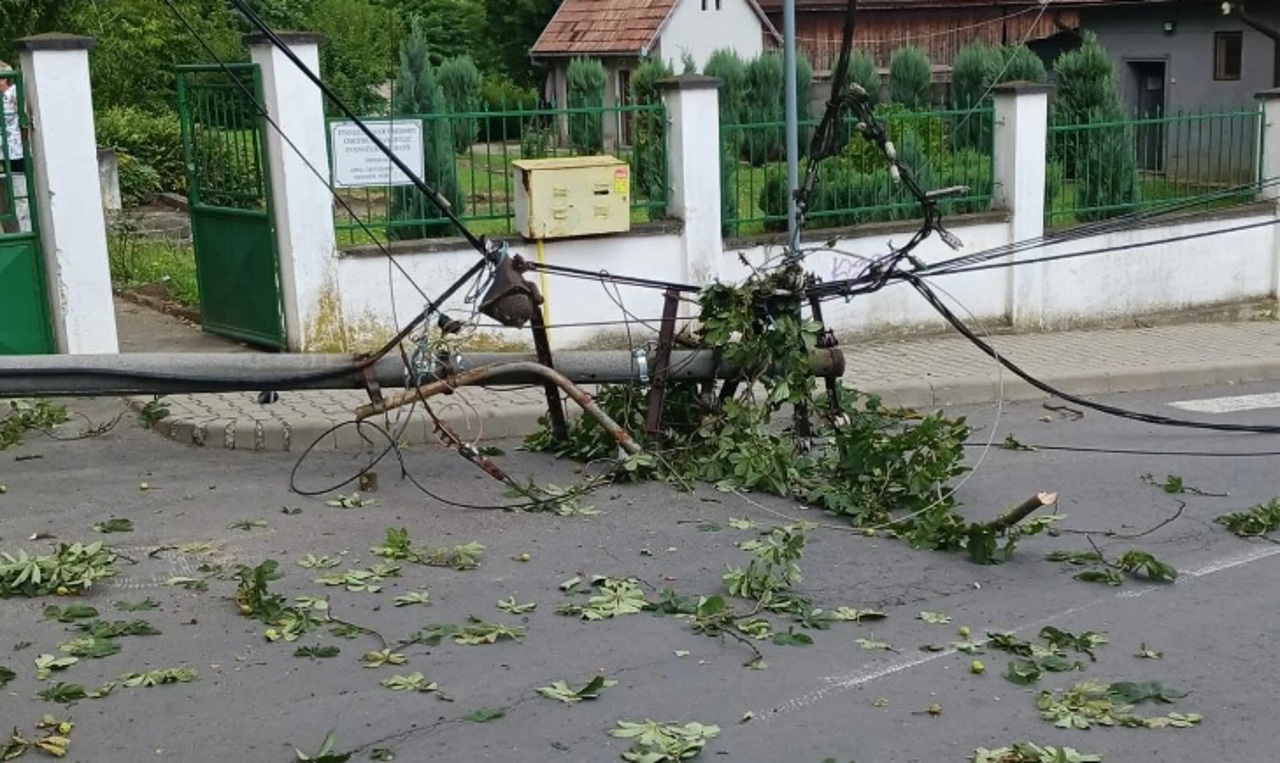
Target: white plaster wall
[(1169, 276), (701, 32), (1231, 266), (366, 287)]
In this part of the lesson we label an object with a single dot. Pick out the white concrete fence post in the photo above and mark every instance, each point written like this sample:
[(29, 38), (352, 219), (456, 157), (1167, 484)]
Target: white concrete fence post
[(64, 154), (693, 169), (302, 202), (1021, 145), (1269, 161)]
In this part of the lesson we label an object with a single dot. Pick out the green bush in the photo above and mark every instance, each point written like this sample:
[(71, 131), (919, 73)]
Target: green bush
[(538, 140), (1102, 162), (1106, 168), (926, 129), (418, 94), (766, 78), (1055, 179), (150, 139), (500, 97), (974, 69), (460, 81), (357, 55), (766, 104), (849, 193), (1021, 64), (863, 71), (648, 131), (729, 67), (230, 170), (910, 78), (587, 80), (970, 168), (139, 181), (1087, 80)]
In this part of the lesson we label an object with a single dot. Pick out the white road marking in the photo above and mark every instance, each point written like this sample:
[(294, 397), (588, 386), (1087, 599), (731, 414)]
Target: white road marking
[(1231, 404), (838, 684)]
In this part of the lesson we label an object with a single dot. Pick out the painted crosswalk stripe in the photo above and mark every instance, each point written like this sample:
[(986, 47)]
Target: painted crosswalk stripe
[(1231, 404)]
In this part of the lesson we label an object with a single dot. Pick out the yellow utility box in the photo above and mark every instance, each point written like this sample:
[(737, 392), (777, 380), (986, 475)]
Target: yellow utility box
[(572, 196)]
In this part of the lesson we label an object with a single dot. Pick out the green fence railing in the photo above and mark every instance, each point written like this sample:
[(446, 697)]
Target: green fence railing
[(1102, 170), (482, 146), (943, 148)]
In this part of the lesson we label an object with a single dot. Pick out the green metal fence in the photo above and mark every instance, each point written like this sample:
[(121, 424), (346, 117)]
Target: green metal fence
[(484, 144), (1101, 170), (944, 148)]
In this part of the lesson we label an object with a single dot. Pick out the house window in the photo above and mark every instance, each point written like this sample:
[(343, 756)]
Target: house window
[(705, 3), (1228, 54)]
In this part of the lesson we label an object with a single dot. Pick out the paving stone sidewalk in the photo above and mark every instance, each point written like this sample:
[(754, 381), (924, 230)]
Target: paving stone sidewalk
[(933, 371)]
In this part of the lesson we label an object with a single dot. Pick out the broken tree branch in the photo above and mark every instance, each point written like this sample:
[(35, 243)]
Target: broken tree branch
[(1022, 511)]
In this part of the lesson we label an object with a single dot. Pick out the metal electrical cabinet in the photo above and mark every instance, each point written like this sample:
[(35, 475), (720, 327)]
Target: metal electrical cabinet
[(572, 196)]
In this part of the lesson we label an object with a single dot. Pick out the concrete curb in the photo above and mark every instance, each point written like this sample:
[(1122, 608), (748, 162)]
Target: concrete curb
[(504, 420)]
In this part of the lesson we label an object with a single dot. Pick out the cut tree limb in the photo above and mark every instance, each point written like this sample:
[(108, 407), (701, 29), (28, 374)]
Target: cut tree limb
[(1022, 511)]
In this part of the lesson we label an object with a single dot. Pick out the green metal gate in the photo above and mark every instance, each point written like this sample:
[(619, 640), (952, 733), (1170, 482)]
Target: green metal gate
[(229, 192), (26, 328)]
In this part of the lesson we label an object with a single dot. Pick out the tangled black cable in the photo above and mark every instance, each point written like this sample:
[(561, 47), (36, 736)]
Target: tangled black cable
[(1111, 410)]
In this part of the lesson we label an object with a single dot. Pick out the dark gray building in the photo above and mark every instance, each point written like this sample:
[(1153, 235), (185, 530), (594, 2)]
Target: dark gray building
[(1188, 57)]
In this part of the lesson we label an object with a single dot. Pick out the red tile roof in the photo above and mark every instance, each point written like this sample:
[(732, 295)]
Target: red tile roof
[(617, 27), (595, 27)]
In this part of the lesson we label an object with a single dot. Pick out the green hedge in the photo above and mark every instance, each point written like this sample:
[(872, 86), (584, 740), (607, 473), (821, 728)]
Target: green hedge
[(153, 141)]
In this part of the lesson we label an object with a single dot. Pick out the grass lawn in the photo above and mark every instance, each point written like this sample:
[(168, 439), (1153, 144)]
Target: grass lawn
[(153, 266), (1153, 191)]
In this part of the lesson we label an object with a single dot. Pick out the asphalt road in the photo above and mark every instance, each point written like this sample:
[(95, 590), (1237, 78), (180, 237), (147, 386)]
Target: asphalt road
[(255, 701)]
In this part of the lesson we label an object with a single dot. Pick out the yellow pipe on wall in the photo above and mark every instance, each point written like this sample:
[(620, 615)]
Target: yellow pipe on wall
[(542, 284)]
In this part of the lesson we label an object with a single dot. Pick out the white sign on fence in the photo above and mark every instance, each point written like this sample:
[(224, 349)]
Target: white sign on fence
[(358, 162)]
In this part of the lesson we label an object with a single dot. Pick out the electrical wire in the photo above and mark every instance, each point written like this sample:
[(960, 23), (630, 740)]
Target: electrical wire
[(1137, 451), (1101, 250), (434, 196), (927, 292)]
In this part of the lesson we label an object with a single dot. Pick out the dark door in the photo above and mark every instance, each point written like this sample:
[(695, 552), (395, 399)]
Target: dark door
[(624, 99), (1150, 79)]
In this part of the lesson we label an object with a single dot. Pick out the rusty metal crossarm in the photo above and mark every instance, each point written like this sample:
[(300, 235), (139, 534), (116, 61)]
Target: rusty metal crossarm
[(486, 373)]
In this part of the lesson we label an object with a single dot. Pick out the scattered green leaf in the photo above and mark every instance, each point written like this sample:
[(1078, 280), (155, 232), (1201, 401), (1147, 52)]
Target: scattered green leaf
[(509, 605), (560, 690), (141, 606), (353, 501), (70, 614), (313, 562), (380, 657), (934, 618), (117, 525), (653, 742), (484, 715), (159, 677), (413, 682), (316, 652)]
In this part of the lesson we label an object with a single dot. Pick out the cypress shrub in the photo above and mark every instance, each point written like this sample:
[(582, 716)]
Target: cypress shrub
[(587, 80), (910, 78), (418, 94), (461, 83), (726, 65), (648, 132)]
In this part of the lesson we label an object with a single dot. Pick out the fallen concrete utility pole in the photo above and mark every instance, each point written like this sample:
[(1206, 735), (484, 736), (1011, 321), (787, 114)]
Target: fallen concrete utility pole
[(189, 373)]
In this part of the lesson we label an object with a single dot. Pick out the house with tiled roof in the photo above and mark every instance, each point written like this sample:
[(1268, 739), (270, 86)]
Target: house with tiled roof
[(624, 33)]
